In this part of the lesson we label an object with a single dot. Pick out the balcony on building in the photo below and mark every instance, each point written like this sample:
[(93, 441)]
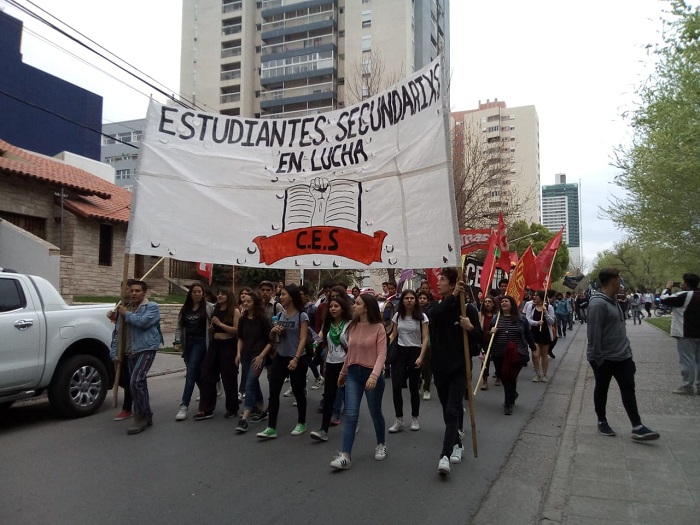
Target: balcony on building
[(231, 49), (289, 18), (230, 95), (231, 26), (304, 65), (323, 89), (301, 109), (230, 73), (228, 6)]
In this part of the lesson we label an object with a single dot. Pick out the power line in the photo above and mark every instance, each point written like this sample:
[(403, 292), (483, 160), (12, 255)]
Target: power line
[(82, 44)]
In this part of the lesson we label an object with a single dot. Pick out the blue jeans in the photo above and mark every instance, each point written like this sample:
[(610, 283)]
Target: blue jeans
[(354, 389), (195, 350), (253, 394)]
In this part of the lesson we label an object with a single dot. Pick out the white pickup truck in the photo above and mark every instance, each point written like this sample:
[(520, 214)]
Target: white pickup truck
[(49, 346)]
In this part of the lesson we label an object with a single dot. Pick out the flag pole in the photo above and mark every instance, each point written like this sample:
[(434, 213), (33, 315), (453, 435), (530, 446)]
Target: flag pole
[(486, 357), (468, 362), (121, 340)]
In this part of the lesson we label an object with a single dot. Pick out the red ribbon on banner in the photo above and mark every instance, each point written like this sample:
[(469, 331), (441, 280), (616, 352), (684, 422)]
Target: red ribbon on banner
[(322, 240)]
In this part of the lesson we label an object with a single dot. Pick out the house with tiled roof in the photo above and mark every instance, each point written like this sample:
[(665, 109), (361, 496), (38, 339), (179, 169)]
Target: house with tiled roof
[(66, 218)]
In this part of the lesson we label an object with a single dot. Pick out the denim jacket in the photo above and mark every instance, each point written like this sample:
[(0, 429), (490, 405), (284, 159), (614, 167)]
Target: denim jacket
[(145, 329)]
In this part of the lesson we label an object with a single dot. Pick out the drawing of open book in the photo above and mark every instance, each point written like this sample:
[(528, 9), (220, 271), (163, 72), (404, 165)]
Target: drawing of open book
[(323, 203)]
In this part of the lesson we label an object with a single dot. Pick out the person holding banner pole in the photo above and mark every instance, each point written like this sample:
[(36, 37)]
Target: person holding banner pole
[(142, 338), (449, 364)]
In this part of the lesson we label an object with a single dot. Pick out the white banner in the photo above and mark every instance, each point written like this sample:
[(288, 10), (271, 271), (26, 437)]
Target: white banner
[(364, 186)]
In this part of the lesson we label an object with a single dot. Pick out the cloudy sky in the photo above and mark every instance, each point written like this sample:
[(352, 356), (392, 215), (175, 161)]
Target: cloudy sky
[(577, 62)]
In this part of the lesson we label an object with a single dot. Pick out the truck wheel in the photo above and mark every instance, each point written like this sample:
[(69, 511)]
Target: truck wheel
[(79, 386)]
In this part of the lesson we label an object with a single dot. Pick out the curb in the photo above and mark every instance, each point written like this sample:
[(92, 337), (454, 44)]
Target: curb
[(529, 474), (556, 494), (166, 372)]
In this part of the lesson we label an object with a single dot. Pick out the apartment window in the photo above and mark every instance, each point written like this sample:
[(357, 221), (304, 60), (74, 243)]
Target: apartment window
[(341, 34), (123, 174), (106, 238), (366, 42), (366, 19), (125, 136), (136, 136)]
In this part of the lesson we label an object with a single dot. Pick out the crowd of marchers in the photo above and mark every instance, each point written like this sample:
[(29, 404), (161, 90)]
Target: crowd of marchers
[(354, 347)]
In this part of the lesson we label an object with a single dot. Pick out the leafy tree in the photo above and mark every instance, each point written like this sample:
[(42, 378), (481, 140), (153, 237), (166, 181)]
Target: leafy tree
[(660, 169), (643, 267)]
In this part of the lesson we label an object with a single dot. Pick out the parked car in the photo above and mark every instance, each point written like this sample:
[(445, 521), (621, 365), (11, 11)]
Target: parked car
[(50, 347)]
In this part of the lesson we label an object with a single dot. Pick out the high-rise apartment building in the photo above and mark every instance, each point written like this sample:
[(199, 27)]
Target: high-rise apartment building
[(508, 157), (285, 58), (561, 206)]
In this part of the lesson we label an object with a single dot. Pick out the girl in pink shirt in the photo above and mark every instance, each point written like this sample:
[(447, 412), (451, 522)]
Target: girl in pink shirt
[(363, 373)]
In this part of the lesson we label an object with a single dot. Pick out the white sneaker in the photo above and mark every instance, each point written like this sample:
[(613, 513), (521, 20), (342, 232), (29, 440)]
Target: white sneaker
[(380, 452), (397, 426), (536, 378), (414, 424), (318, 383), (182, 413), (456, 456), (288, 393), (426, 395), (543, 379), (444, 465), (341, 462), (219, 389)]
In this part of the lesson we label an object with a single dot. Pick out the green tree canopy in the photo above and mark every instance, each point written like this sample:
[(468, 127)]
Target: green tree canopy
[(644, 267), (660, 169)]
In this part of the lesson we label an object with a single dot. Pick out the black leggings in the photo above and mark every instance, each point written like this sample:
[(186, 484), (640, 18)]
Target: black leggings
[(278, 373), (330, 391), (405, 367)]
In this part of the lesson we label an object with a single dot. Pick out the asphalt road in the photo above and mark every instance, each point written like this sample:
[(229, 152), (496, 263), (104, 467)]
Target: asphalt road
[(90, 471)]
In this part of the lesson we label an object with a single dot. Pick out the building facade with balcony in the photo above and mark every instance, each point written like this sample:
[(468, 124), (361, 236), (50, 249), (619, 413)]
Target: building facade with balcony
[(287, 58), (509, 138)]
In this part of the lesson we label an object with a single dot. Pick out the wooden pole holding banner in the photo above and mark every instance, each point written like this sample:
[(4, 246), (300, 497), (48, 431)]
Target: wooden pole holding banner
[(468, 363), (486, 357), (121, 340)]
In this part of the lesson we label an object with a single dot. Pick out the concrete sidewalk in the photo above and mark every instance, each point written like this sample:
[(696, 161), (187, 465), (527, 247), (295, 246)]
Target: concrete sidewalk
[(562, 471)]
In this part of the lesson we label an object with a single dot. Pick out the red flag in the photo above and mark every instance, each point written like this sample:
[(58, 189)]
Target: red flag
[(503, 261), (489, 266), (432, 275), (513, 259), (543, 261), (206, 270), (519, 279)]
